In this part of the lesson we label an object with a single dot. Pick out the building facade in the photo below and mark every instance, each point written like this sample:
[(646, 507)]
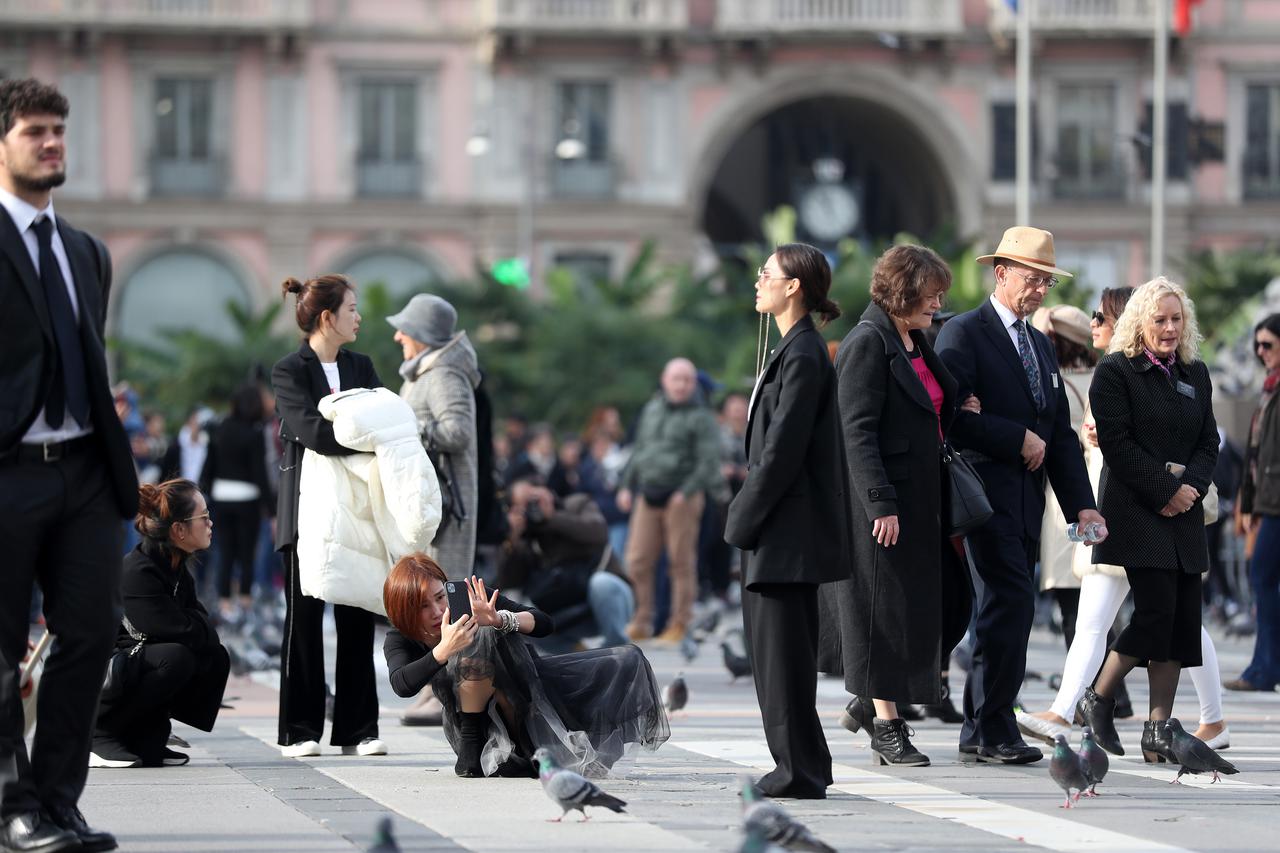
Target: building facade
[(221, 145)]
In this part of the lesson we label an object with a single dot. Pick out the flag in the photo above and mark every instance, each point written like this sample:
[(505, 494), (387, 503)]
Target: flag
[(1182, 15)]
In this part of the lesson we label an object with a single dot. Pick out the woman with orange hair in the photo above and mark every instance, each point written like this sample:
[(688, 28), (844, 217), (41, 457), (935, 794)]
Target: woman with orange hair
[(501, 699)]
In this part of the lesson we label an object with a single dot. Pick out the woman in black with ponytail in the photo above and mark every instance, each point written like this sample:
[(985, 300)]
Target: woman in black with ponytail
[(791, 517), (176, 668)]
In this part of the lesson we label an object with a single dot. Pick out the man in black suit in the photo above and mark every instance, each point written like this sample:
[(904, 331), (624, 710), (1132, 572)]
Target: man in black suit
[(1023, 432), (66, 478)]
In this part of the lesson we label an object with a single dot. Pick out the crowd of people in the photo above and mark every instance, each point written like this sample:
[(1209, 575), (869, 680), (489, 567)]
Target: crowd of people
[(835, 500)]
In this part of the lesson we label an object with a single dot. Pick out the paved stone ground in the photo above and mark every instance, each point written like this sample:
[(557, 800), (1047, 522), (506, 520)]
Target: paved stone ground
[(238, 794)]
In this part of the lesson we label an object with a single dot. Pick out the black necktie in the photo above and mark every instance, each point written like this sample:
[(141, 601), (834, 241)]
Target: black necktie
[(69, 389)]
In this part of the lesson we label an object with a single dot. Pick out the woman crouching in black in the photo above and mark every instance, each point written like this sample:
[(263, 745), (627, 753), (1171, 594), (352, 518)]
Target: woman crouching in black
[(502, 700), (176, 668)]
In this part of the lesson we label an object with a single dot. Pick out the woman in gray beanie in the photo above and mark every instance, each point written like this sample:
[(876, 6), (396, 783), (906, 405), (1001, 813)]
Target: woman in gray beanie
[(441, 373)]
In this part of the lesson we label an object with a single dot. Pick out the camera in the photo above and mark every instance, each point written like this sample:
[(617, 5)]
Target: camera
[(533, 513)]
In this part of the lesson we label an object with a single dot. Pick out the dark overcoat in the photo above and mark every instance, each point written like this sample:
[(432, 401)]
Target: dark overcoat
[(791, 517), (1146, 419), (884, 626), (299, 384)]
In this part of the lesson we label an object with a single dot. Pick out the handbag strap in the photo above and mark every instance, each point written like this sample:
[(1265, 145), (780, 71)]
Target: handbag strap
[(135, 634)]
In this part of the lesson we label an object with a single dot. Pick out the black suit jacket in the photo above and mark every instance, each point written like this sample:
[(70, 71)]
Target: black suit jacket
[(31, 351), (299, 384), (976, 348), (792, 514)]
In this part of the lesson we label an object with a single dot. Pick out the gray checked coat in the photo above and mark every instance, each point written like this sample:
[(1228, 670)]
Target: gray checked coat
[(442, 395)]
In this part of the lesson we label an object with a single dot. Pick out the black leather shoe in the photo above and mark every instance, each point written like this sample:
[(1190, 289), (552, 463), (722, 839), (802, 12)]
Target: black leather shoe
[(1015, 752), (945, 710), (858, 715), (968, 752), (1157, 742), (29, 833), (1098, 713), (90, 839), (891, 744)]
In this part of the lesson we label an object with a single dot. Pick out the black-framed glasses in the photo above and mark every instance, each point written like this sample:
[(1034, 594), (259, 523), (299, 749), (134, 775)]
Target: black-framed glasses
[(1099, 318), (1265, 346), (204, 516)]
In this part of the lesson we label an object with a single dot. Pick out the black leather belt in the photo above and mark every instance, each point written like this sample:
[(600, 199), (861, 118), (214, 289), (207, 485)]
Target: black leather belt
[(52, 451)]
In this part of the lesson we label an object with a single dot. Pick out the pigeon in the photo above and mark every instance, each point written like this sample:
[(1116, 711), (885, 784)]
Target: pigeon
[(383, 840), (705, 624), (739, 666), (689, 648), (755, 842), (1093, 759), (1067, 769), (765, 818), (571, 790), (677, 695), (1195, 755)]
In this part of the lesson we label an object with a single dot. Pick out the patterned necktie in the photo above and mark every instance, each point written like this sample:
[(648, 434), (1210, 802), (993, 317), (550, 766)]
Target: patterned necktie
[(1029, 364), (69, 389)]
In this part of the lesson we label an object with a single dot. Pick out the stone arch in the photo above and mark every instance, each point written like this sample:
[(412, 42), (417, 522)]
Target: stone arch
[(399, 262)]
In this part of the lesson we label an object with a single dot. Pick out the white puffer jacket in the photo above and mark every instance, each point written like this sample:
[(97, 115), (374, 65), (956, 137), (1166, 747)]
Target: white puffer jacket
[(358, 514)]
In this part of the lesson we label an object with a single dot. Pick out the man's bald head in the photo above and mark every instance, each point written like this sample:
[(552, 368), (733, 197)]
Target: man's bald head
[(679, 380)]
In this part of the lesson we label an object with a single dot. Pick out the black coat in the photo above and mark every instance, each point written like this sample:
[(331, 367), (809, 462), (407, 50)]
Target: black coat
[(792, 515), (160, 601), (31, 352), (238, 451), (1144, 421), (977, 350), (299, 384), (883, 627)]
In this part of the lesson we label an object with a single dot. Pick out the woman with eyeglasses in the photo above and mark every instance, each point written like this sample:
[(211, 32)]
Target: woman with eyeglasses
[(175, 667), (1260, 515)]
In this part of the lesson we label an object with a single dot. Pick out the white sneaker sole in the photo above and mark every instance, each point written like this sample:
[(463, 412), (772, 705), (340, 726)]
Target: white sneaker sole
[(111, 763), (375, 748), (306, 749)]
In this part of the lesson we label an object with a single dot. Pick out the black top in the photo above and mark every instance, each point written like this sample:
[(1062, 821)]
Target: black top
[(411, 665), (238, 451), (160, 601)]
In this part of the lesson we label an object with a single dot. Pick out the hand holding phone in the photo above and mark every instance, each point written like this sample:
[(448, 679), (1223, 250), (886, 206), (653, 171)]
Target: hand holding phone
[(459, 599), (1177, 469)]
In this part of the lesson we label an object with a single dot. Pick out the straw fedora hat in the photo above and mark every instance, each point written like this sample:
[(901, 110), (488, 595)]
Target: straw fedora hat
[(1026, 245)]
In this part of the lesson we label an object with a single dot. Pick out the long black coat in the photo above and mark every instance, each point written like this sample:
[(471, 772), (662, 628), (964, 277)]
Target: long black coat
[(883, 627), (299, 384), (31, 352), (1144, 421), (791, 517)]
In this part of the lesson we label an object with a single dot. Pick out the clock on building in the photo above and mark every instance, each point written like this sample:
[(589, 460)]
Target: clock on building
[(828, 211)]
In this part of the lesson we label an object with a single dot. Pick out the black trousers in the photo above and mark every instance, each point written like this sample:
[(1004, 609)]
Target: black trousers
[(1166, 617), (236, 526), (1006, 609), (355, 694), (781, 626), (61, 529), (171, 682)]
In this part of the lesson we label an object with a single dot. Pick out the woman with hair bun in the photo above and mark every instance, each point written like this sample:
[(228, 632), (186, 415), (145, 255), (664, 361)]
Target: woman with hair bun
[(177, 667), (327, 316)]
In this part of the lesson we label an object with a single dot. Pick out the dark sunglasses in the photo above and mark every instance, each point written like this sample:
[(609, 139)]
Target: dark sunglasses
[(1265, 346), (1099, 318)]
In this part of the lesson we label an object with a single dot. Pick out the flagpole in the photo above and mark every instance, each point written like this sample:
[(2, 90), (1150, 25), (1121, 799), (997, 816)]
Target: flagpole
[(1023, 114), (1159, 135)]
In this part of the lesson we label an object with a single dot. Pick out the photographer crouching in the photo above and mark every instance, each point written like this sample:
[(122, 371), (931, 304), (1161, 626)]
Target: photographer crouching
[(557, 551)]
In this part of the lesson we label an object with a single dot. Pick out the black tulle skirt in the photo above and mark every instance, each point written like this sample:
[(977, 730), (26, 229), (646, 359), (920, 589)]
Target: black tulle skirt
[(592, 709)]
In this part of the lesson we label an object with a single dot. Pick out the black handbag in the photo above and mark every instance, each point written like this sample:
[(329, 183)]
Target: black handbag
[(122, 669), (452, 509), (969, 506)]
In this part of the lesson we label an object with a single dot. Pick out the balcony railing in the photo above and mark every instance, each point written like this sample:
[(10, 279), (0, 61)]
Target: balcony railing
[(916, 17), (583, 179), (389, 178), (587, 17), (198, 15), (1100, 17), (187, 178)]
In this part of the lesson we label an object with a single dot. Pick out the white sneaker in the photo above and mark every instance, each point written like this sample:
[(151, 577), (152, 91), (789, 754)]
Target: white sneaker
[(1222, 740), (368, 746), (301, 749), (115, 762), (1039, 729)]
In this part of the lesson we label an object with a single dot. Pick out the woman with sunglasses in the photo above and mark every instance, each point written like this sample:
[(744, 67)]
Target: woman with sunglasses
[(176, 667), (1260, 516)]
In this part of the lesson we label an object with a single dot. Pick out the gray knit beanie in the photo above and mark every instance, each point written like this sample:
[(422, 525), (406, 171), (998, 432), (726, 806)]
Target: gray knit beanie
[(427, 319)]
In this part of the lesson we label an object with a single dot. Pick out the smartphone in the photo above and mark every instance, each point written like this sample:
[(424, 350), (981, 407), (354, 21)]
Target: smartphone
[(459, 600), (1177, 469)]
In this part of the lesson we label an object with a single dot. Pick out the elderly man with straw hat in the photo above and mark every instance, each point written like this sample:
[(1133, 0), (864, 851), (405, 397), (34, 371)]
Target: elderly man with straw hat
[(1021, 437)]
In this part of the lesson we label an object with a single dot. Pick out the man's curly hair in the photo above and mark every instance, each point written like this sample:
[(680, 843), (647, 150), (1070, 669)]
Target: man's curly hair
[(29, 97)]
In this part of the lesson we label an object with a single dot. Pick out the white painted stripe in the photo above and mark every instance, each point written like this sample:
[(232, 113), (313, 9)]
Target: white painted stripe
[(1034, 828), (1166, 773)]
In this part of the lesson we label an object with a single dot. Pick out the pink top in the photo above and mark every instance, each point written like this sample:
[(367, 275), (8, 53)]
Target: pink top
[(936, 395)]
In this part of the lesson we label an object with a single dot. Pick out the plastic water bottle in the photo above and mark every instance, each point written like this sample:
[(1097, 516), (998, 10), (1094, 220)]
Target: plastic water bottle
[(1093, 532)]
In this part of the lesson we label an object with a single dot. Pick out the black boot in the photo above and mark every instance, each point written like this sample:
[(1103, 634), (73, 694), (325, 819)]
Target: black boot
[(946, 709), (472, 729), (1157, 742), (891, 744), (858, 714), (1098, 713), (1124, 708)]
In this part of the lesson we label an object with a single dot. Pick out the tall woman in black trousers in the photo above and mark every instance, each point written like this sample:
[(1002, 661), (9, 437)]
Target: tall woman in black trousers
[(327, 316), (791, 518)]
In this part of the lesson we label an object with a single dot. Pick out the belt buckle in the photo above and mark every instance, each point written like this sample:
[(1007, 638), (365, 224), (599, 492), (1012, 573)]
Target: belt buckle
[(51, 451)]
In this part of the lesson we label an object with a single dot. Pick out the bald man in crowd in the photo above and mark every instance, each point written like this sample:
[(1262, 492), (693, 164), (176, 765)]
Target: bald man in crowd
[(675, 461)]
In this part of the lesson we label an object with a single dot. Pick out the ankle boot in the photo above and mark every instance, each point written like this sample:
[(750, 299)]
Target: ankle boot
[(891, 744), (1124, 708), (1157, 742), (1098, 713), (858, 714), (946, 709), (472, 729)]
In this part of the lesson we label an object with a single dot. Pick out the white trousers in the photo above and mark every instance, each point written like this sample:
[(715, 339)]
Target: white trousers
[(1100, 599)]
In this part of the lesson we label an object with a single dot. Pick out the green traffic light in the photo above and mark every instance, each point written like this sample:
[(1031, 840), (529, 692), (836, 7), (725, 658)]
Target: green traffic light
[(510, 272)]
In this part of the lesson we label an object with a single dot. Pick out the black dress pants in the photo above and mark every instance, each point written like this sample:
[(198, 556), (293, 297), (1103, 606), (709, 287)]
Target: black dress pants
[(60, 528), (355, 693), (781, 626), (236, 526)]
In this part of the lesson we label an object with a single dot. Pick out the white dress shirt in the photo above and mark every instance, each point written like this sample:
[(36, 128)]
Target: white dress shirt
[(24, 215), (1009, 318)]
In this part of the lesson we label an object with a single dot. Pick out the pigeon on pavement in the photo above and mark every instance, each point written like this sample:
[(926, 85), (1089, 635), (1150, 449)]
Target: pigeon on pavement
[(705, 624), (1094, 761), (769, 820), (571, 790), (383, 840), (1067, 769), (677, 695), (755, 842), (739, 666), (1195, 755), (689, 648)]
